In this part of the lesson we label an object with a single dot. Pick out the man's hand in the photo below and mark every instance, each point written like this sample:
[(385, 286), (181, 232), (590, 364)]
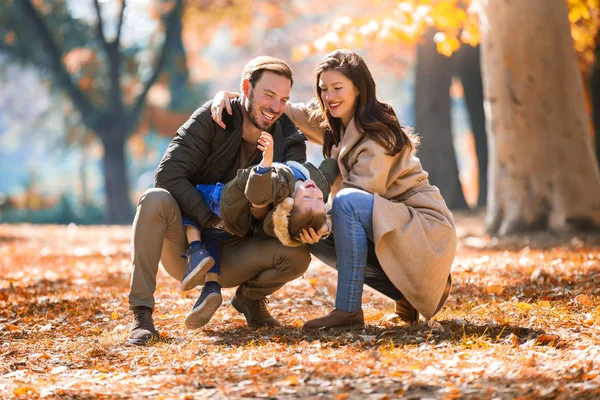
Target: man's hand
[(265, 144), (220, 102)]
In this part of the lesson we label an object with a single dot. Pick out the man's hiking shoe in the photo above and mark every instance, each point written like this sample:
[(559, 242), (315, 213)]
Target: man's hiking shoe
[(198, 263), (142, 328), (256, 312), (207, 304), (338, 320)]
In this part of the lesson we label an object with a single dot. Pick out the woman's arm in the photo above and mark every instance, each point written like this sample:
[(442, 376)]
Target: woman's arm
[(303, 116), (300, 113), (220, 102)]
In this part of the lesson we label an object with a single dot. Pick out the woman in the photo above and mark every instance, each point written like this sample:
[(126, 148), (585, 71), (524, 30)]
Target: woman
[(391, 227)]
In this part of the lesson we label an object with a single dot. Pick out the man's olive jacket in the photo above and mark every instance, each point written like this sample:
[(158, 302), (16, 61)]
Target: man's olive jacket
[(203, 152)]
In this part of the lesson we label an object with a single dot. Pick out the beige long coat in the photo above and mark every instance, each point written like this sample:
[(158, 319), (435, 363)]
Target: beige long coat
[(413, 229)]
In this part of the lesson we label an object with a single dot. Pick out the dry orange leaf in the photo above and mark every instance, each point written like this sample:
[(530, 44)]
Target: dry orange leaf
[(24, 390), (547, 339), (341, 396), (584, 300), (494, 289), (292, 380)]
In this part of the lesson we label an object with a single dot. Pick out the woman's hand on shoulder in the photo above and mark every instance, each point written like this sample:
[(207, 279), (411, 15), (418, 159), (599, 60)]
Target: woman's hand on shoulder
[(220, 102)]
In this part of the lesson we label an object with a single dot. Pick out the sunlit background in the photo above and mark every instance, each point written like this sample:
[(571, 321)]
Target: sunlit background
[(51, 166)]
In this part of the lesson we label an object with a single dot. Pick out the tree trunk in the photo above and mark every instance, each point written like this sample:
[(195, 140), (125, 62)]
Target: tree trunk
[(468, 68), (433, 122), (119, 208), (182, 98), (595, 98), (542, 168)]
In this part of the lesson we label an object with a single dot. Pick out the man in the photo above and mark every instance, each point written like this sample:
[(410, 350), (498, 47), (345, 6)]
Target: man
[(204, 152)]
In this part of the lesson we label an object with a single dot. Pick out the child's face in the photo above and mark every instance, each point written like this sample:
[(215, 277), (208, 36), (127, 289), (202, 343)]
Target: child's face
[(308, 197)]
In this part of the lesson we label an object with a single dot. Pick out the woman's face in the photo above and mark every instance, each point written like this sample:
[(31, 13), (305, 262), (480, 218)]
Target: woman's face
[(338, 94)]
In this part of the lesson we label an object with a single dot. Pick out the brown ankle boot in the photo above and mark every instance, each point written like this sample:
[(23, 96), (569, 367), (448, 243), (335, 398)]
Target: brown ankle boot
[(406, 311), (142, 328), (338, 320), (256, 312)]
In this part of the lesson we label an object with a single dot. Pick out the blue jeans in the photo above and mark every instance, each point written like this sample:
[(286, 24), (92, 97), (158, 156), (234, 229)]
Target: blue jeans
[(353, 250), (212, 239)]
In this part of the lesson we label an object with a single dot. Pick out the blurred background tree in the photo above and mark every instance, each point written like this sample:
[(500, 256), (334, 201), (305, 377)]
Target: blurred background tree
[(106, 79)]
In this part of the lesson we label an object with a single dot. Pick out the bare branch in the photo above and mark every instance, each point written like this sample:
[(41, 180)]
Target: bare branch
[(120, 25), (114, 58), (79, 98), (169, 35), (100, 27)]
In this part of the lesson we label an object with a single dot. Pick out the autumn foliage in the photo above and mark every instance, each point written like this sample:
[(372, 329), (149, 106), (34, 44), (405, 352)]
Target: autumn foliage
[(523, 321), (404, 22)]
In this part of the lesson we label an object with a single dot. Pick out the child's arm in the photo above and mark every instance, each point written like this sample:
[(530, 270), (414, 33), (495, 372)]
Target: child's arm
[(259, 188), (265, 144), (259, 212)]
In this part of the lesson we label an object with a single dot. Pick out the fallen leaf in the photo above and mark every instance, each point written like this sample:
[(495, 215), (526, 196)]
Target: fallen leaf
[(584, 300), (292, 380), (58, 370), (25, 390), (524, 306), (494, 289), (547, 339)]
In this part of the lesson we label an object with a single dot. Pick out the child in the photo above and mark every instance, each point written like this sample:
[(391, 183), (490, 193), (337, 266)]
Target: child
[(298, 201)]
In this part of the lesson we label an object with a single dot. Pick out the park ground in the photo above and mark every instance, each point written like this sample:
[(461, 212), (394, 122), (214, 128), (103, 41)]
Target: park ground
[(522, 321)]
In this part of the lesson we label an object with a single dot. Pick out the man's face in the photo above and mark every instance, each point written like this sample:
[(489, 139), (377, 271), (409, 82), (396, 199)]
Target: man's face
[(267, 99)]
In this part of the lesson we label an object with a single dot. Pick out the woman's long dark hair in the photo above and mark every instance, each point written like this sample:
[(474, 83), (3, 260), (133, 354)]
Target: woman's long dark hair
[(376, 119)]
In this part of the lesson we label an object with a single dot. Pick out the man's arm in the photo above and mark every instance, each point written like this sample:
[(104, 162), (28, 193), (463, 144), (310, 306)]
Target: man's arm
[(185, 155)]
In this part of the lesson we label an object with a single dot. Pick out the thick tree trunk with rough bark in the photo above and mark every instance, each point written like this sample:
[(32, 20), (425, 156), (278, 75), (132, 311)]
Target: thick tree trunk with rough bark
[(433, 122), (119, 209), (542, 168), (468, 68), (595, 98)]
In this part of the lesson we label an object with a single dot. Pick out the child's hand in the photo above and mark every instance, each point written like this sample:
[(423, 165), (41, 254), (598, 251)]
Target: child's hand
[(265, 144)]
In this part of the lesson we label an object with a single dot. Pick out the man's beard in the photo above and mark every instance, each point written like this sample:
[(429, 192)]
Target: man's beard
[(253, 118)]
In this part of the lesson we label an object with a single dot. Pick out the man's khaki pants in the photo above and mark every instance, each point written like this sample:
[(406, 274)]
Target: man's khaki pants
[(261, 265)]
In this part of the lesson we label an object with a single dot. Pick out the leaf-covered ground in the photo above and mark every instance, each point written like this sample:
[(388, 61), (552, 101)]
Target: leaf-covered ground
[(523, 321)]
